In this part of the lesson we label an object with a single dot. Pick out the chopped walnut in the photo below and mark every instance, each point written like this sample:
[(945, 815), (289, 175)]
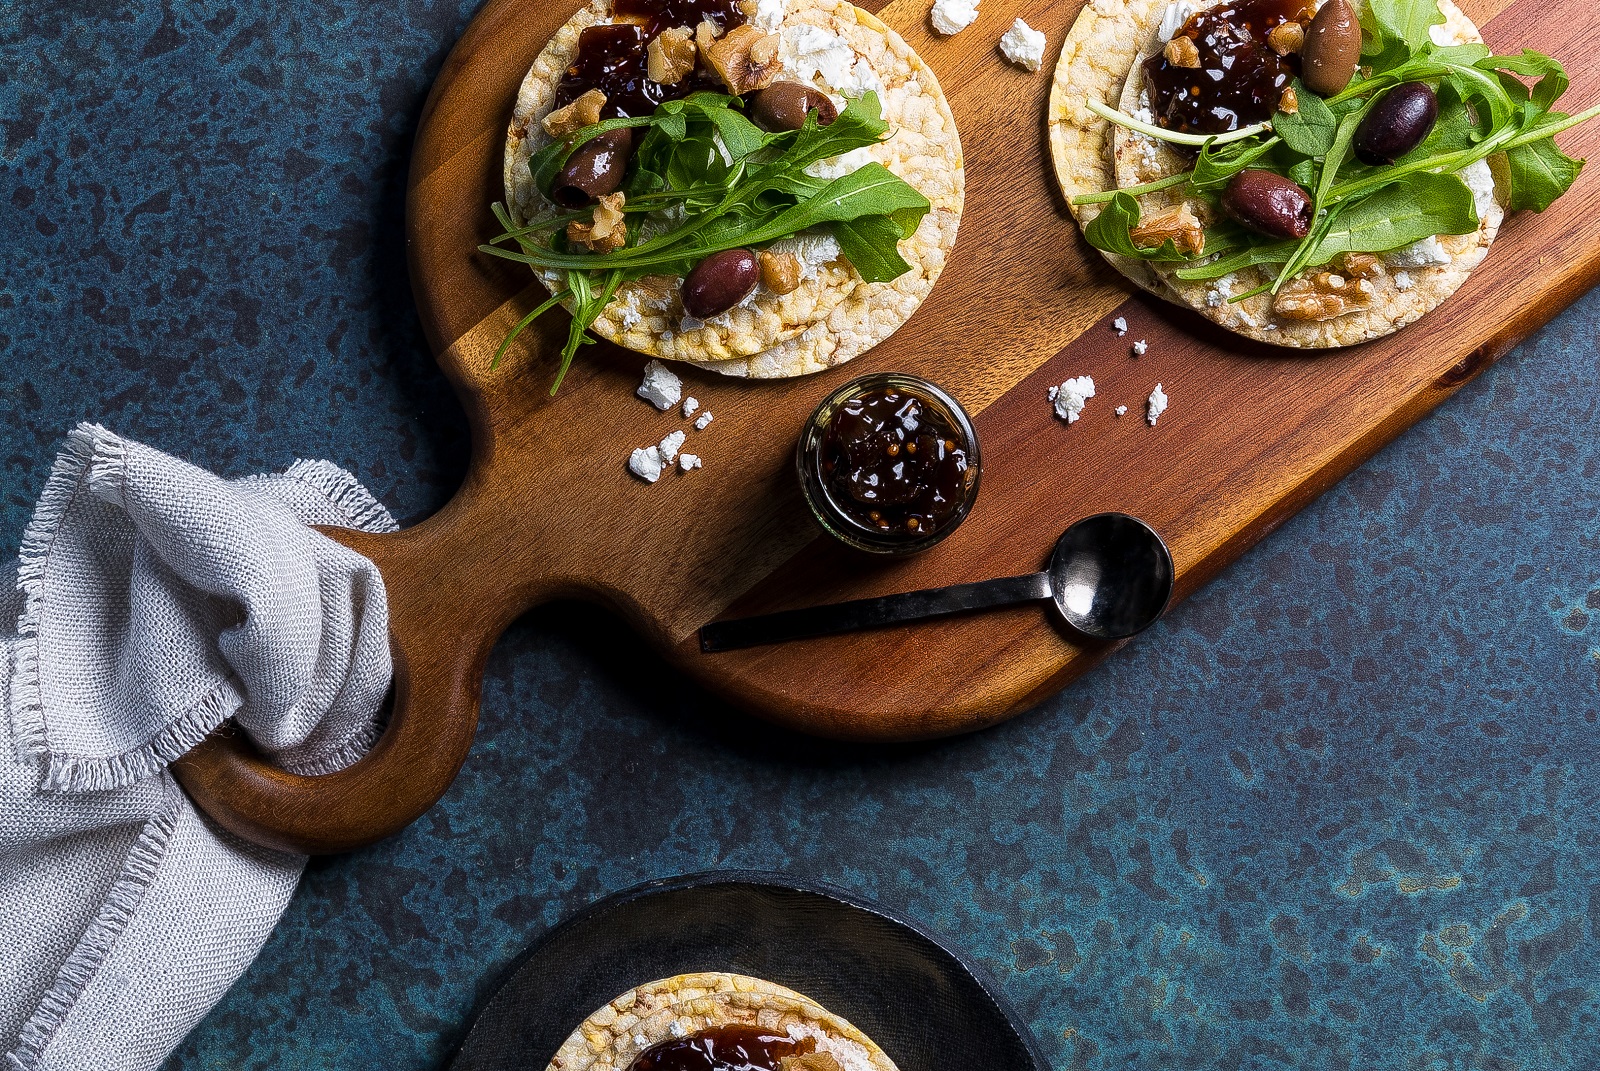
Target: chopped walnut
[(1286, 38), (780, 272), (670, 56), (1181, 52), (609, 230), (745, 59), (1289, 103), (585, 111), (810, 1061), (1178, 223), (1361, 265), (1322, 296), (705, 35)]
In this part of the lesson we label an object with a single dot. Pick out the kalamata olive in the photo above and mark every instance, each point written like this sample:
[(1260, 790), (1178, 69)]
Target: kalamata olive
[(1269, 204), (719, 282), (783, 106), (595, 170), (1397, 123), (1332, 50)]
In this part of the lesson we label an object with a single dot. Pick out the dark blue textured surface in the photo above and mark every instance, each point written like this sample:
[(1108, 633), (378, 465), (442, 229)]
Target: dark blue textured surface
[(1339, 810)]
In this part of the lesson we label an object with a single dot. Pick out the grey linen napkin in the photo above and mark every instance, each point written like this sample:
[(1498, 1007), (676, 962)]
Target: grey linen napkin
[(154, 601)]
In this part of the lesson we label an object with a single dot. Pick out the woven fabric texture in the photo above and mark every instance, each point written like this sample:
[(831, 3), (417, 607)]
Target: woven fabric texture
[(152, 602)]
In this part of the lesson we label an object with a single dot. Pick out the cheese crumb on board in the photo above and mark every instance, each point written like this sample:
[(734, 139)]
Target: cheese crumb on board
[(645, 463), (1119, 410), (1156, 405), (660, 388), (688, 462), (953, 16), (1069, 398), (1023, 45), (1140, 348), (690, 404), (668, 449), (702, 420), (1120, 326)]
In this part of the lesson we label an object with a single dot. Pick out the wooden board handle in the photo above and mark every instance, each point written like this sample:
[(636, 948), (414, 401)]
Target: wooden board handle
[(440, 643)]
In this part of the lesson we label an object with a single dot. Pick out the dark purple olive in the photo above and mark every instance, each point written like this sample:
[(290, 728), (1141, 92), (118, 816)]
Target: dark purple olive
[(719, 282), (783, 106), (1269, 204), (1397, 123), (595, 170)]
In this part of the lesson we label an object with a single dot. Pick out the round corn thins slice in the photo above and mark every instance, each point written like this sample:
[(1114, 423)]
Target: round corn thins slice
[(834, 315), (1101, 60)]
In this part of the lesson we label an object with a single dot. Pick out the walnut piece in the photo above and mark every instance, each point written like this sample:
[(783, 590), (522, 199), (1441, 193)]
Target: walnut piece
[(705, 35), (810, 1061), (1178, 223), (1322, 296), (670, 56), (608, 232), (1180, 52), (1289, 103), (1287, 37), (1361, 265), (585, 111), (745, 59), (780, 272)]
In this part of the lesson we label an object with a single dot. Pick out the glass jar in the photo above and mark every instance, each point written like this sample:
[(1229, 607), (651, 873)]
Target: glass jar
[(889, 463)]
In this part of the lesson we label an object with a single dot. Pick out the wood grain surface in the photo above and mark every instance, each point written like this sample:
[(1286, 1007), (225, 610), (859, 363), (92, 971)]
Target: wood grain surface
[(548, 508)]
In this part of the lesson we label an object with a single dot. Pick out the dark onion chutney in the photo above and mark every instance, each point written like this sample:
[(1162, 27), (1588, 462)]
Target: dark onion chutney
[(1240, 79), (612, 58), (723, 1048), (889, 463)]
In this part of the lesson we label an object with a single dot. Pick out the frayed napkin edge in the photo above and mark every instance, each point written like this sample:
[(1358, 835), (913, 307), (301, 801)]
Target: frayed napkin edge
[(94, 457)]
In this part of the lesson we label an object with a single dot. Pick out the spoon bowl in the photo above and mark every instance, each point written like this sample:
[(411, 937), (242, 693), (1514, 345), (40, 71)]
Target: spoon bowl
[(1111, 576)]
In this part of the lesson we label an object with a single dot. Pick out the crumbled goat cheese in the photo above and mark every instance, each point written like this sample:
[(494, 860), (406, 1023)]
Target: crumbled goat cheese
[(702, 420), (769, 15), (1441, 35), (645, 463), (815, 251), (1023, 45), (1480, 180), (810, 53), (690, 404), (1403, 281), (660, 388), (953, 16), (669, 446), (628, 314), (1214, 298), (688, 462), (1119, 410), (677, 1028), (1425, 253), (1070, 397), (838, 166), (1140, 348), (1120, 326), (1178, 12), (1156, 405)]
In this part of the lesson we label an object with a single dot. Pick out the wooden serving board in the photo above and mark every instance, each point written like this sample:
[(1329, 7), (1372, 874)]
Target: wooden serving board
[(549, 510)]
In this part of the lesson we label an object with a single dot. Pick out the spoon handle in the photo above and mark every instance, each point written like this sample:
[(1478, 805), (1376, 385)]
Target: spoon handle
[(872, 613)]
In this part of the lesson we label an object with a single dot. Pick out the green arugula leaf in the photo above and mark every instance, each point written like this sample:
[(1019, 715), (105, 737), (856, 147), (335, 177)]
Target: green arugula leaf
[(1310, 130), (1398, 29), (1397, 215), (1540, 173), (869, 244), (1216, 165)]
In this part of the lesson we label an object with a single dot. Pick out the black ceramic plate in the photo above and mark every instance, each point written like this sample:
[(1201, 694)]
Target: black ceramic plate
[(917, 999)]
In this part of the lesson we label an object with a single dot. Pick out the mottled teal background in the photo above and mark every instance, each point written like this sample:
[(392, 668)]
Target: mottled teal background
[(1339, 810)]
